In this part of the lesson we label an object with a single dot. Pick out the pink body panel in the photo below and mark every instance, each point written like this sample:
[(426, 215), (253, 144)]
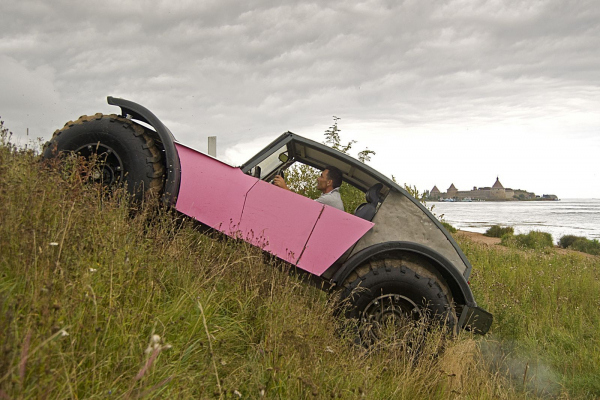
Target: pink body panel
[(210, 191), (335, 232), (292, 227), (279, 221)]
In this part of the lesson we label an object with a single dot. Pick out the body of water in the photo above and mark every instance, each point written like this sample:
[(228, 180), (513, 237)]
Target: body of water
[(579, 217)]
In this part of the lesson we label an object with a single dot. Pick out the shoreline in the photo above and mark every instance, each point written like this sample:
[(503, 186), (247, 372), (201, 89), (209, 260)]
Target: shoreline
[(480, 238), (489, 200)]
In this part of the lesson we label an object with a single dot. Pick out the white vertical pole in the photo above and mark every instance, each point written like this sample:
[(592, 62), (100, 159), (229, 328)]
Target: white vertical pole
[(212, 146)]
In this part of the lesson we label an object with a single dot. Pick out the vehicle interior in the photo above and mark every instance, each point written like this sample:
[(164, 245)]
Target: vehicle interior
[(289, 149)]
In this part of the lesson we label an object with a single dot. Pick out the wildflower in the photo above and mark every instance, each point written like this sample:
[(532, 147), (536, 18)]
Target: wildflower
[(238, 394), (53, 243), (93, 270), (63, 333), (155, 344), (329, 349)]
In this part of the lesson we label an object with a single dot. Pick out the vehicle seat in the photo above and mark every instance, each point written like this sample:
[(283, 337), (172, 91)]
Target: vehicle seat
[(367, 210)]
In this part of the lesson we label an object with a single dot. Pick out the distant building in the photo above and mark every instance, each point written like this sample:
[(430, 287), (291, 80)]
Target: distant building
[(495, 193), (498, 192), (452, 192)]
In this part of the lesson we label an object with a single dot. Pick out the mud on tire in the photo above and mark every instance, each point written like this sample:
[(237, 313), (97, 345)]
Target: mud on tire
[(124, 152), (395, 296)]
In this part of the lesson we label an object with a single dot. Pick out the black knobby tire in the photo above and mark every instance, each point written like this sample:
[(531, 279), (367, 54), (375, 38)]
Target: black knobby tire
[(124, 151), (395, 293)]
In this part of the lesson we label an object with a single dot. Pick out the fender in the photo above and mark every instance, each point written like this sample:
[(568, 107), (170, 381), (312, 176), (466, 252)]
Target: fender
[(141, 113), (458, 284)]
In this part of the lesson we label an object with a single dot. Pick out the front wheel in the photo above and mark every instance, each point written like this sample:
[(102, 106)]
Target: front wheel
[(396, 298), (122, 152)]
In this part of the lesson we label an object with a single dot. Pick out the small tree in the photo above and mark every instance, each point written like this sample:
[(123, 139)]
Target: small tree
[(5, 134)]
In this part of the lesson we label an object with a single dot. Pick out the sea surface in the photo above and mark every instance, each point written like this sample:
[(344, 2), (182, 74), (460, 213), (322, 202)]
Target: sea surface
[(579, 217)]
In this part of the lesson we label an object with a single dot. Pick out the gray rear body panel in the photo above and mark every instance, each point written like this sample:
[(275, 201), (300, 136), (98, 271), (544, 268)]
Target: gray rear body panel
[(400, 219)]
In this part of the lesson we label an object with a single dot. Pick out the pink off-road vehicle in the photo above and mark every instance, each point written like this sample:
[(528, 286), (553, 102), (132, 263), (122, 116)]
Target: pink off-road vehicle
[(391, 259)]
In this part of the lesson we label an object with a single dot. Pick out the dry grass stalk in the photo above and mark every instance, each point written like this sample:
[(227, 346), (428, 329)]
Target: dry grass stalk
[(212, 354), (155, 387), (148, 364), (24, 357)]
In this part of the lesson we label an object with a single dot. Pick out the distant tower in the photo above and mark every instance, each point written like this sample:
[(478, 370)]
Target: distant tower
[(452, 191), (498, 192), (435, 193)]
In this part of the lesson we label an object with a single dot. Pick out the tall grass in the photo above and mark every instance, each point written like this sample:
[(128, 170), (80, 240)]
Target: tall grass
[(545, 305), (97, 301)]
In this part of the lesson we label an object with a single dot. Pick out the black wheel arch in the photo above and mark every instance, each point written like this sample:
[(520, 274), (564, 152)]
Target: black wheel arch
[(458, 285), (172, 164)]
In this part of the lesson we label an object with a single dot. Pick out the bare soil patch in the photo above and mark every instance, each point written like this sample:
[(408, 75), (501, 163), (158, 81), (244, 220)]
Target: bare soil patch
[(478, 238)]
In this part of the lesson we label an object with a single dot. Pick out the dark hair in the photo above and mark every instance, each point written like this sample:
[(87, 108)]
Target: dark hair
[(335, 175)]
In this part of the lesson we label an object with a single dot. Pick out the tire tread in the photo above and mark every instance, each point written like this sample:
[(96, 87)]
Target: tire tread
[(147, 144)]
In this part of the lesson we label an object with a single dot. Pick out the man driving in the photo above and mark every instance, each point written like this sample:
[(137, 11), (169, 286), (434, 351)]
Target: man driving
[(328, 183)]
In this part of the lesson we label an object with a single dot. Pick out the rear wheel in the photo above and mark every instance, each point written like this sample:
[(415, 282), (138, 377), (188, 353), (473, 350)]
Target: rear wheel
[(396, 299), (122, 152)]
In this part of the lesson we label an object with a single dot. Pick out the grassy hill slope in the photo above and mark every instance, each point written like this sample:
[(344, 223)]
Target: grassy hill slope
[(95, 303)]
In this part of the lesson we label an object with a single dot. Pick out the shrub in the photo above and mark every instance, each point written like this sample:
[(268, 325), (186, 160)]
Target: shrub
[(499, 231), (586, 246), (448, 227), (568, 240), (580, 243), (532, 240)]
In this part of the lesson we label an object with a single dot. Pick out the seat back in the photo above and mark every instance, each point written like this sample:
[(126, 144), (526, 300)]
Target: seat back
[(367, 210)]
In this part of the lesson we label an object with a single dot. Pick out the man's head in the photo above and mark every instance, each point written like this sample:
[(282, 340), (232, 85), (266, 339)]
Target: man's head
[(330, 178)]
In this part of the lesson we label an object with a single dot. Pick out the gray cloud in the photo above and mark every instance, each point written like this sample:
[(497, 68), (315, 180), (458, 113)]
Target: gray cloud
[(247, 71)]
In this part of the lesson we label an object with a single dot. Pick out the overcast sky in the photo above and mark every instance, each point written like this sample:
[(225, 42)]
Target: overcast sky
[(443, 91)]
